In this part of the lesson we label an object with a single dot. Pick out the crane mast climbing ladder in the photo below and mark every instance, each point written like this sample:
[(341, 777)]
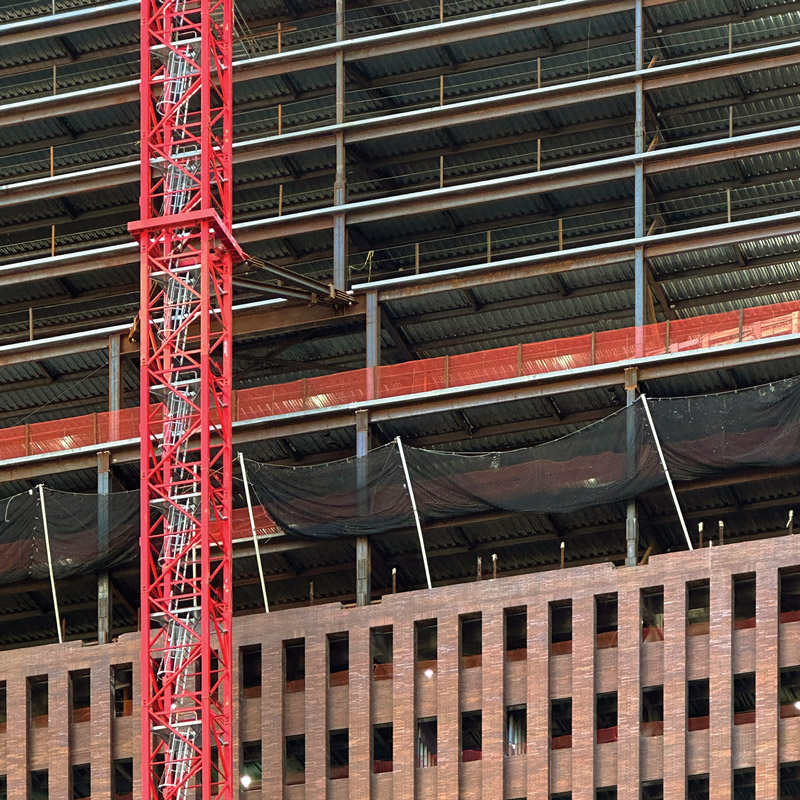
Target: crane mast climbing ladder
[(187, 255)]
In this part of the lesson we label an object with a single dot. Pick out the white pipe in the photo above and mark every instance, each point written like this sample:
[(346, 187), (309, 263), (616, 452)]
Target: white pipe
[(253, 530), (414, 508), (666, 472), (50, 563)]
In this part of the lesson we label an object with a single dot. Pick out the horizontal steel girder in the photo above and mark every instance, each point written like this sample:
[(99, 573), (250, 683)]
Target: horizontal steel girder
[(453, 399)]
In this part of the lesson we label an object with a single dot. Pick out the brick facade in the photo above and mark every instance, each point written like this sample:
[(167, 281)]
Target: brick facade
[(402, 694)]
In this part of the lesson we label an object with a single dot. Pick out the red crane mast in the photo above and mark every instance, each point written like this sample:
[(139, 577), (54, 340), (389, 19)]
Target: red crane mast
[(187, 255)]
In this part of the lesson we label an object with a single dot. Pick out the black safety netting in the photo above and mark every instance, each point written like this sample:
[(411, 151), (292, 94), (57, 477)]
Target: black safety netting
[(608, 461), (86, 532)]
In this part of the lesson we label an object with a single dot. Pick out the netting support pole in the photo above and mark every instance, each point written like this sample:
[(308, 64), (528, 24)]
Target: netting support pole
[(50, 563), (104, 608), (246, 483), (363, 543), (632, 510), (414, 509), (666, 472)]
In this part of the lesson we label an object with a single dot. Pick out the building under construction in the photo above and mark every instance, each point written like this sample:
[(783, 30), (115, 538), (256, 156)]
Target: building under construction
[(499, 484)]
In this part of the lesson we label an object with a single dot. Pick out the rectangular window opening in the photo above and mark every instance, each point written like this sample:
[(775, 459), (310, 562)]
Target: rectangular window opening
[(697, 787), (382, 647), (698, 705), (698, 604), (516, 730), (294, 665), (250, 768), (606, 611), (382, 748), (789, 692), (427, 742), (516, 632), (606, 793), (81, 782), (652, 605), (561, 796), (3, 707), (790, 595), (744, 601), (123, 779), (744, 698), (3, 787), (561, 723), (471, 641), (251, 670), (40, 788), (294, 760), (425, 647), (122, 681), (338, 659), (652, 711), (471, 736), (80, 695), (790, 781), (606, 716), (338, 754), (652, 790), (561, 627), (744, 784), (37, 697)]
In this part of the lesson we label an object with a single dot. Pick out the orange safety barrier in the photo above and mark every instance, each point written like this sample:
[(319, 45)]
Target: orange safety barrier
[(432, 374)]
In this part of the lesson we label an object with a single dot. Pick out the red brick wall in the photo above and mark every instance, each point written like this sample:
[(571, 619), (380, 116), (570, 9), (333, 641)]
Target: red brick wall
[(455, 686)]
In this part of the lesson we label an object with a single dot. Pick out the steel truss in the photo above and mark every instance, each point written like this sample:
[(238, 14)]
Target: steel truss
[(187, 254)]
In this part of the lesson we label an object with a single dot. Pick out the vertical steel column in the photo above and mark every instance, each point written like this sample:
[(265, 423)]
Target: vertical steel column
[(340, 180), (114, 374), (632, 513), (640, 279), (373, 359), (187, 255), (104, 609), (363, 544)]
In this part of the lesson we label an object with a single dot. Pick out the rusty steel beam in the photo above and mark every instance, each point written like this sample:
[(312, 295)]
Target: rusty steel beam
[(454, 399)]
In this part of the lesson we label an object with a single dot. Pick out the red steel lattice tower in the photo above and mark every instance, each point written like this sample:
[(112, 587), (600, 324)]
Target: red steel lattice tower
[(187, 253)]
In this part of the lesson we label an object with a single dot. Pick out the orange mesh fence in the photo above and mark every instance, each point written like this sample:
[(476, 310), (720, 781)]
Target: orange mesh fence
[(433, 374)]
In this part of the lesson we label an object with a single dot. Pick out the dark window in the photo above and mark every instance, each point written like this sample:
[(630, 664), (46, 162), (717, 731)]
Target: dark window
[(790, 781), (338, 659), (80, 693), (425, 646), (561, 796), (790, 596), (381, 645), (698, 704), (37, 694), (561, 723), (697, 787), (251, 670), (606, 716), (294, 765), (470, 640), (744, 601), (123, 779), (561, 627), (606, 793), (81, 781), (606, 620), (652, 790), (789, 693), (471, 737), (697, 608), (744, 784), (338, 754), (250, 769), (744, 698), (122, 681), (382, 748), (294, 664), (40, 789), (3, 706), (652, 602), (516, 730), (516, 634), (427, 742), (3, 788), (652, 711)]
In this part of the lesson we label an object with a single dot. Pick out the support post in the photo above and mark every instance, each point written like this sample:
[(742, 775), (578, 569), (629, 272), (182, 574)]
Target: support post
[(104, 600), (363, 543), (50, 564), (373, 359), (253, 531), (414, 509), (632, 511), (340, 179), (640, 211)]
